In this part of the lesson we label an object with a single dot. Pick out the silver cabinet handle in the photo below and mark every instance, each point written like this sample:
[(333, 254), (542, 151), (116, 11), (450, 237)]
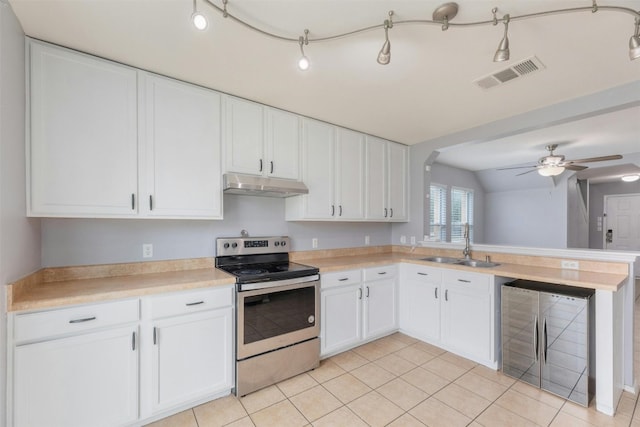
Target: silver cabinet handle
[(133, 341), (86, 319), (391, 212), (333, 210), (340, 210), (436, 289), (464, 281), (544, 342), (446, 294), (194, 303), (271, 166), (133, 201), (367, 292), (385, 212), (344, 279), (422, 274), (359, 293), (535, 338), (260, 166), (382, 272), (155, 336), (150, 202)]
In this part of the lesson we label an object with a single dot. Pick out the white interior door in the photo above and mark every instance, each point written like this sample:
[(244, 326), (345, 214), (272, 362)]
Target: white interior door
[(622, 226)]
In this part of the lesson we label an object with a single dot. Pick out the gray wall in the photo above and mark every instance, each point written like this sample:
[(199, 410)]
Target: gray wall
[(577, 215), (100, 241), (455, 177), (19, 237), (596, 205)]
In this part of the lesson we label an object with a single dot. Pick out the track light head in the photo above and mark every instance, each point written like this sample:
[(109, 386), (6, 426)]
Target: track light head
[(198, 19), (384, 56), (634, 42), (502, 54), (303, 62)]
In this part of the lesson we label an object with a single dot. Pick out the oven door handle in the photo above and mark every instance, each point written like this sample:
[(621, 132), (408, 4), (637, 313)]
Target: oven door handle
[(277, 283)]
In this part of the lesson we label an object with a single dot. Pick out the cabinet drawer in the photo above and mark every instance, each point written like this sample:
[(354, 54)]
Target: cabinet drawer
[(379, 273), (190, 302), (340, 278), (421, 272), (479, 281), (45, 324)]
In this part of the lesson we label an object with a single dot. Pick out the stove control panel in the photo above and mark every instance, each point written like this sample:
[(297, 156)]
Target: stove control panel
[(226, 246)]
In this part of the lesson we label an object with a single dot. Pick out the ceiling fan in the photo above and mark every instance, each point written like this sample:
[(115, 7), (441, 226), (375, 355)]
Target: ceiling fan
[(554, 164)]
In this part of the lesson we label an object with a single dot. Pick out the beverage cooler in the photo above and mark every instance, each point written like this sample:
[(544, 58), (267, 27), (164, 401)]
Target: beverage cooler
[(548, 337)]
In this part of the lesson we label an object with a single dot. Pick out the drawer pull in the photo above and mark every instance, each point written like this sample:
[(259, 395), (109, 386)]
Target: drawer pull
[(436, 291), (86, 319), (155, 336), (382, 272), (194, 303), (423, 274), (344, 279), (133, 341), (464, 281)]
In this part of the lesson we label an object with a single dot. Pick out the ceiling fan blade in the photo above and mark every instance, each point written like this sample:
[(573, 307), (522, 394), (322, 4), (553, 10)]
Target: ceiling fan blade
[(575, 167), (516, 167), (524, 173), (596, 159)]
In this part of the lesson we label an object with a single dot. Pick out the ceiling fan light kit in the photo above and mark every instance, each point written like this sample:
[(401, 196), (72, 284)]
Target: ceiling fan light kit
[(442, 17), (551, 170)]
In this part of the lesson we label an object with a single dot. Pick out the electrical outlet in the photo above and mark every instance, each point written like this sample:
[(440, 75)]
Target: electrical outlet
[(147, 250), (413, 240), (367, 240), (403, 239), (571, 265), (314, 243)]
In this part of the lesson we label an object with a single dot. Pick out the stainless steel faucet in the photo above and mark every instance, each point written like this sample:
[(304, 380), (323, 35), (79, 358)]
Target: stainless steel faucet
[(466, 252)]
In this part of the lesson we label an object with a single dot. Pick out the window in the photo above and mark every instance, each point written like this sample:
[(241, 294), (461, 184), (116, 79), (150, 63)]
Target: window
[(438, 213), (461, 213)]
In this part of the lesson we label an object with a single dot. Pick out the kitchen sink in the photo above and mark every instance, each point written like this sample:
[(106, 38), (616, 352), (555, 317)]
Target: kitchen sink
[(476, 263), (442, 259)]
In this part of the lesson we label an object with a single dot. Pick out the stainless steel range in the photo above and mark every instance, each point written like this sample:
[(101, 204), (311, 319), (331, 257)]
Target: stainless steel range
[(277, 311)]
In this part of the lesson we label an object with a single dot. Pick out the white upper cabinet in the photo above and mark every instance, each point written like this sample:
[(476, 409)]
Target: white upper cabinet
[(260, 140), (108, 141), (82, 156), (333, 170), (386, 180), (182, 150)]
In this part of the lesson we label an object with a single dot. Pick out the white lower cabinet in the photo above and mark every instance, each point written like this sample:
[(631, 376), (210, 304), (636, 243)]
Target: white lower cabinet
[(83, 373), (357, 306), (192, 347), (113, 364), (453, 309)]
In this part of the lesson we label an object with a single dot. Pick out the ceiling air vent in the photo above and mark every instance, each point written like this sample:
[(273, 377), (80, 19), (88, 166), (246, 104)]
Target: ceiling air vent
[(522, 68)]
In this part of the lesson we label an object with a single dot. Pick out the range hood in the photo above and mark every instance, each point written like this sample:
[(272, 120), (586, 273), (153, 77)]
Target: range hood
[(250, 185)]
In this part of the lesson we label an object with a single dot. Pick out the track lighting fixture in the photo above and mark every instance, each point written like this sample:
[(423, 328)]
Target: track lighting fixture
[(502, 54), (634, 42), (442, 16), (384, 57), (198, 19), (303, 62)]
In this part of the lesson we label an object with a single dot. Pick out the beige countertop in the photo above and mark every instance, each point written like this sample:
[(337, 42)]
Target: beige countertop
[(57, 287)]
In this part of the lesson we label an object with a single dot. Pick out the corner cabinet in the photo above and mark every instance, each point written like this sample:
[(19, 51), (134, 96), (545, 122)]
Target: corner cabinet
[(386, 180), (110, 141), (260, 140), (453, 309)]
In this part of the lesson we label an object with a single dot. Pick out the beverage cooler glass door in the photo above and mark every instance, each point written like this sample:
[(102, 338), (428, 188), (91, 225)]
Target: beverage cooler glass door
[(564, 324), (520, 334)]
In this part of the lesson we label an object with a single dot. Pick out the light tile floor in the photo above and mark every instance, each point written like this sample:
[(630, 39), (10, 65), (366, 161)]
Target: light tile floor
[(399, 381)]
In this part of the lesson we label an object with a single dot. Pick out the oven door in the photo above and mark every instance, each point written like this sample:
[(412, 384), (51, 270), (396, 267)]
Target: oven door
[(277, 316)]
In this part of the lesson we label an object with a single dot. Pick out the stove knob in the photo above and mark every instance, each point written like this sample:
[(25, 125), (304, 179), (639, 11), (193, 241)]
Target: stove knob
[(226, 246), (277, 243), (234, 245), (283, 243)]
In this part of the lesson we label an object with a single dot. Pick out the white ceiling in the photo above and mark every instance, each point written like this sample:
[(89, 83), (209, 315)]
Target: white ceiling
[(427, 91)]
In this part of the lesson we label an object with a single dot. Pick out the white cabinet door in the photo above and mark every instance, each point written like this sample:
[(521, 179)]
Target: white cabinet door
[(82, 154), (467, 314), (282, 138), (420, 296), (341, 318), (85, 380), (244, 136), (192, 357), (376, 179), (350, 175), (182, 150), (318, 152), (381, 307), (398, 171)]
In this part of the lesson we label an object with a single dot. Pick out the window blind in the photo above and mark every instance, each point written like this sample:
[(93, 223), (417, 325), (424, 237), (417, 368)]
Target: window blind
[(438, 213), (461, 213)]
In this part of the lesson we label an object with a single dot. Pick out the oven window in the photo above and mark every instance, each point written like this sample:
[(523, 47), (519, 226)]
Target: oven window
[(277, 313)]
